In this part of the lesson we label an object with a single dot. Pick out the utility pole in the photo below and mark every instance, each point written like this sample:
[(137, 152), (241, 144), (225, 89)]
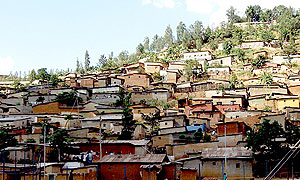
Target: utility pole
[(225, 150), (100, 138), (45, 151)]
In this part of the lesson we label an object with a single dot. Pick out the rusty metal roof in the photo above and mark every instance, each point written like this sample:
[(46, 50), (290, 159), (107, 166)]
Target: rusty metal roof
[(133, 158), (232, 152), (142, 142)]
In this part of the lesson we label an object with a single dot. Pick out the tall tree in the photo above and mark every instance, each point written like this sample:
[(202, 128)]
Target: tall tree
[(180, 29), (102, 61), (140, 49), (146, 44), (6, 140), (264, 146), (266, 78), (157, 43), (59, 141), (42, 74), (87, 61), (168, 37), (197, 30), (253, 13), (69, 98), (32, 75), (152, 119), (227, 46), (123, 56), (232, 16), (127, 122), (77, 70)]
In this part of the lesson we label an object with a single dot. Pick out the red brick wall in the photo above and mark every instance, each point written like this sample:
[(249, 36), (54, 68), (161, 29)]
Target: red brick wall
[(108, 148), (228, 107), (111, 171), (231, 128), (49, 108)]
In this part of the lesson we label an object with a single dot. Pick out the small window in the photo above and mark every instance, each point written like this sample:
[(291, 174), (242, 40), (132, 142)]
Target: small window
[(159, 137), (214, 163), (211, 115), (293, 100), (166, 123), (139, 76), (232, 102), (219, 103), (237, 116), (139, 111), (284, 100), (104, 125), (237, 165)]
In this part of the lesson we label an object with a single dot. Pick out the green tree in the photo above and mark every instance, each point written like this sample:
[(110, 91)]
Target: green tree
[(233, 82), (157, 43), (69, 98), (264, 146), (213, 45), (59, 141), (168, 37), (40, 99), (258, 62), (140, 49), (32, 75), (266, 15), (253, 13), (289, 49), (240, 53), (77, 70), (6, 140), (266, 35), (86, 61), (180, 29), (127, 122), (189, 66), (232, 16), (199, 45), (42, 74), (123, 56), (198, 135), (266, 78), (278, 11), (146, 44), (187, 38), (207, 138), (227, 46), (152, 119), (197, 31), (102, 61), (54, 80)]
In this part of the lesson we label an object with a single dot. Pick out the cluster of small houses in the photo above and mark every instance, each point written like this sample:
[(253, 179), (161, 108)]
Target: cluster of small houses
[(226, 115)]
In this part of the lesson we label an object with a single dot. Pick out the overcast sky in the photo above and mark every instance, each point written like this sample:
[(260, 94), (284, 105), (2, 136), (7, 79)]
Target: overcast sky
[(53, 33)]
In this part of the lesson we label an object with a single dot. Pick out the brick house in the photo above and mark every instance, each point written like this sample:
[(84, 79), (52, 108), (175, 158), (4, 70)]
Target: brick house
[(136, 79), (128, 166), (232, 127)]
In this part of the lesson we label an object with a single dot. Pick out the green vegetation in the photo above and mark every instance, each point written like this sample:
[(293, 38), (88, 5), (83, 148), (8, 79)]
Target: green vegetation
[(59, 140), (152, 119), (69, 98), (266, 146), (127, 122), (6, 140)]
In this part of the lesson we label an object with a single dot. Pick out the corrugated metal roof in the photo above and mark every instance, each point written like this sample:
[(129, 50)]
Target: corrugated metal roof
[(133, 142), (131, 158), (232, 152)]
